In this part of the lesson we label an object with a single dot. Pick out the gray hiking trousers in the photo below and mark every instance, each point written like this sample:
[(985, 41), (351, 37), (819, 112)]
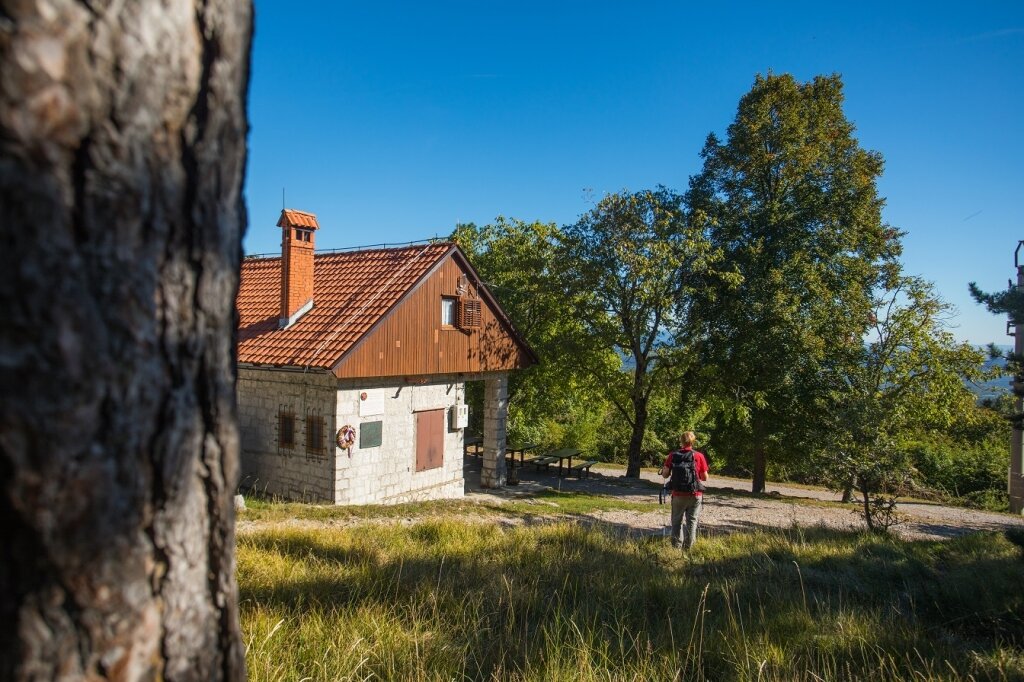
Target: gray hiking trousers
[(688, 506)]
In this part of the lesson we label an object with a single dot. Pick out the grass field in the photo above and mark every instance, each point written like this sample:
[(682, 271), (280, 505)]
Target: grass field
[(443, 598)]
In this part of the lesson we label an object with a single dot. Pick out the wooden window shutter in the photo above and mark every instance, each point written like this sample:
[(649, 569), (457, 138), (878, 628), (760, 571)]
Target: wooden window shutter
[(469, 313)]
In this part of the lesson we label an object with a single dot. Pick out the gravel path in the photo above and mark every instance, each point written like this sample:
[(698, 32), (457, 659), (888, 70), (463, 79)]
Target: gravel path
[(729, 507)]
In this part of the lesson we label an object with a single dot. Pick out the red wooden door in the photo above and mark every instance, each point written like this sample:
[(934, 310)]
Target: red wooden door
[(429, 439)]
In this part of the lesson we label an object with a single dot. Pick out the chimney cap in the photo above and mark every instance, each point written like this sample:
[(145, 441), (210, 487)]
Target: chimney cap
[(292, 218)]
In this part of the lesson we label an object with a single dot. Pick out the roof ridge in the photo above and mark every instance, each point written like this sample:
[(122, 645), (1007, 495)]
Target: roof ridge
[(357, 249)]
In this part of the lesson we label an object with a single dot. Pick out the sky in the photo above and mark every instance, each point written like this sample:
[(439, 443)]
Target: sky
[(394, 121)]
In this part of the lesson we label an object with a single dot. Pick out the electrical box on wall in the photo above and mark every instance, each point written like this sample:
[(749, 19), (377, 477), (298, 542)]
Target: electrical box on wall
[(460, 416)]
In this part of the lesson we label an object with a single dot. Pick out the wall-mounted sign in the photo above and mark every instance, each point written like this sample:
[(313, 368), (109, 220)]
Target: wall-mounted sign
[(370, 434), (371, 403)]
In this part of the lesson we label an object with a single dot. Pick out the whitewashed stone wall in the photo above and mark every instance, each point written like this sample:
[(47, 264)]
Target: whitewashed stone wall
[(387, 474), (289, 473)]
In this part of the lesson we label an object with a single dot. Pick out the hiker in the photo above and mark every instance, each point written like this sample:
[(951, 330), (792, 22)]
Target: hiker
[(687, 469)]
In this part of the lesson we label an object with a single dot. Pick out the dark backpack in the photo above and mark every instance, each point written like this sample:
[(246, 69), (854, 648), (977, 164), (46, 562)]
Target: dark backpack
[(684, 473)]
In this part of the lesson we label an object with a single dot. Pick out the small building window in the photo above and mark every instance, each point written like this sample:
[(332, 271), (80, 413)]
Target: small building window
[(448, 308), (285, 427), (315, 433)]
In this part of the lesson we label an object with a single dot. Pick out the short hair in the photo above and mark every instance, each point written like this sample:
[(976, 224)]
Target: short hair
[(688, 438)]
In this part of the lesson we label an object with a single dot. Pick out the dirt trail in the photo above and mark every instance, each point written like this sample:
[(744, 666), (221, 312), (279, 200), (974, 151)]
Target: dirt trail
[(729, 507)]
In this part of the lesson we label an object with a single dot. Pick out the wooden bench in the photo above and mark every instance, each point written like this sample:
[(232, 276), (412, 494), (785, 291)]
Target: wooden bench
[(583, 468)]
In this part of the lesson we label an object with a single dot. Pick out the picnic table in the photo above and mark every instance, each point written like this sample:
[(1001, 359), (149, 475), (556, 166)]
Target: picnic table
[(564, 455), (474, 442), (521, 449)]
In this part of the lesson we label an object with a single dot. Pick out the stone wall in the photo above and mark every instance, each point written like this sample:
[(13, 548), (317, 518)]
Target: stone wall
[(387, 474), (292, 473)]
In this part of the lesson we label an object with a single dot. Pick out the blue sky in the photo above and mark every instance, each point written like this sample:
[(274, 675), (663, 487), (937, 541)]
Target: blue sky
[(395, 121)]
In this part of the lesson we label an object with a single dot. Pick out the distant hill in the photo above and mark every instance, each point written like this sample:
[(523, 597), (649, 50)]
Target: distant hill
[(994, 387), (986, 389)]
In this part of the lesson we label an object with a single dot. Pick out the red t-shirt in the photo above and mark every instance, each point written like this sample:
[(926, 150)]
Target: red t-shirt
[(700, 466)]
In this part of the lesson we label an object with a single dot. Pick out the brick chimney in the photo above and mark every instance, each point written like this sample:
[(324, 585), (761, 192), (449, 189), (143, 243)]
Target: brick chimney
[(297, 228)]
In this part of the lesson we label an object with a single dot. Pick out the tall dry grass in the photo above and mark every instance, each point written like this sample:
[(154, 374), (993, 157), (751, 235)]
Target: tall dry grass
[(444, 599)]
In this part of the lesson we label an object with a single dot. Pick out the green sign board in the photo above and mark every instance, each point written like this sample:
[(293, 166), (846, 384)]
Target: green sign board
[(370, 434)]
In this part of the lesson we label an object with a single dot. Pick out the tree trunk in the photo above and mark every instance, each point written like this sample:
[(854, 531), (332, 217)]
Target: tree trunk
[(122, 127), (848, 490), (867, 507), (636, 438), (760, 469)]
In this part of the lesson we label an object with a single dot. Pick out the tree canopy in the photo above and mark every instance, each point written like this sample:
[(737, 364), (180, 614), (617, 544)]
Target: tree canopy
[(766, 308), (792, 202), (907, 376), (631, 265)]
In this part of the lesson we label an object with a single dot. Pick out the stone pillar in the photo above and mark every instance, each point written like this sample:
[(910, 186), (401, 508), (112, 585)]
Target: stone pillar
[(495, 421)]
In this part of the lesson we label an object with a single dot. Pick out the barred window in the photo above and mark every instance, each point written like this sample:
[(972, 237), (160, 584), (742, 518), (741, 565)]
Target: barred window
[(315, 435), (285, 427)]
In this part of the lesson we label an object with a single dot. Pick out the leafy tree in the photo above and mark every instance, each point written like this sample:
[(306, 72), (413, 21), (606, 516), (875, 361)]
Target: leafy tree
[(123, 131), (907, 377), (555, 403), (630, 266), (792, 202)]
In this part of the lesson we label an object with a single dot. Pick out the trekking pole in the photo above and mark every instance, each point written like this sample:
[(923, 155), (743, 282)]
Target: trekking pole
[(661, 500), (668, 525)]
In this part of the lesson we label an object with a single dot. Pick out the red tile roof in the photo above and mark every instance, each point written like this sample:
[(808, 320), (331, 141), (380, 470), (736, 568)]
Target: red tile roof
[(351, 292), (292, 218)]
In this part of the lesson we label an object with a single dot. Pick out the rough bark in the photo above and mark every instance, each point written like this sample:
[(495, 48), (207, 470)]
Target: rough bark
[(848, 490), (122, 156), (760, 473), (866, 504), (636, 437)]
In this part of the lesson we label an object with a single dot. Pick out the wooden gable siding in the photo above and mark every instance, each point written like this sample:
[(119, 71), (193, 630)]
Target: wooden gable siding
[(410, 340)]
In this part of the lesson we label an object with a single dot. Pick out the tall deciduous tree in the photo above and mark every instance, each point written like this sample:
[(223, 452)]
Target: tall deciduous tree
[(907, 376), (634, 262), (122, 156), (793, 204)]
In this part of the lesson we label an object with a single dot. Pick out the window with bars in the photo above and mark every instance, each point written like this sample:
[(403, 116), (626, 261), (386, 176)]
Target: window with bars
[(285, 427), (469, 313), (315, 434)]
